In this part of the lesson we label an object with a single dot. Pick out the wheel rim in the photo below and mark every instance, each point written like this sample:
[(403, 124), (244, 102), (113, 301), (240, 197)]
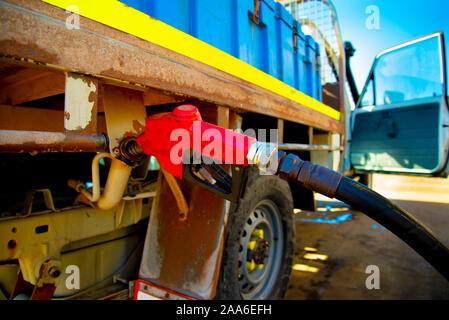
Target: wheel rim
[(260, 253)]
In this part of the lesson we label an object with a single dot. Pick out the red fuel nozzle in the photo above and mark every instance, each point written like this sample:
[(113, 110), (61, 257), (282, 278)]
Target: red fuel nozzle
[(171, 136)]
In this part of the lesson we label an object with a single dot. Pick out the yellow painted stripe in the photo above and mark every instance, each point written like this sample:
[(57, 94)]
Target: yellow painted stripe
[(121, 17)]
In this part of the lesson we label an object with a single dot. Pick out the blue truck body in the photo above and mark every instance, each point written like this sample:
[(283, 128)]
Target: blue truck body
[(273, 43)]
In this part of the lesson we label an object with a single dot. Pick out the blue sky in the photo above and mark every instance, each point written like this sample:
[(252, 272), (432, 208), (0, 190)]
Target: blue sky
[(399, 21)]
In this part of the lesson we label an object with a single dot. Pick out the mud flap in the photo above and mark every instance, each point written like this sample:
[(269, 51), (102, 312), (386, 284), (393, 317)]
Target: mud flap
[(183, 254)]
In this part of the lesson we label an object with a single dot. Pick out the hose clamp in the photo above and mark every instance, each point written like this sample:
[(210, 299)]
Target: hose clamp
[(264, 156)]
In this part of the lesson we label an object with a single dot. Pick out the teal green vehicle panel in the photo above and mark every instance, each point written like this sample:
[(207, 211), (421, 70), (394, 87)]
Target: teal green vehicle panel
[(397, 139)]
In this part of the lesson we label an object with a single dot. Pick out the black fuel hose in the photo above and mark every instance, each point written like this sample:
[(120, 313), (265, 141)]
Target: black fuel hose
[(334, 185), (397, 220)]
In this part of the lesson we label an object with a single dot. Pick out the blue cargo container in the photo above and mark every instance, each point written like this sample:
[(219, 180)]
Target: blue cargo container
[(214, 22), (284, 23), (319, 88), (300, 58), (176, 13), (257, 43), (264, 40), (312, 66)]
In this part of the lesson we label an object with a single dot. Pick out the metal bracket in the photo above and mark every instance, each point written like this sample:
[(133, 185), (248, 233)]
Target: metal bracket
[(81, 103), (295, 42), (49, 275), (28, 207), (125, 116), (255, 16)]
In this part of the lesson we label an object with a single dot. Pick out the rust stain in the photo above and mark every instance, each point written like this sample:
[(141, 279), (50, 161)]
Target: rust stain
[(33, 141), (86, 79), (93, 97), (192, 248), (15, 49), (138, 127)]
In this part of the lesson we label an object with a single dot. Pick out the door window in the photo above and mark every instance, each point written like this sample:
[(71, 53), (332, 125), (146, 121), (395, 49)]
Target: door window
[(404, 74)]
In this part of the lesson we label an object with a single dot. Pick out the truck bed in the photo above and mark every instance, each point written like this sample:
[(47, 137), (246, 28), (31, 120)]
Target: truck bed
[(35, 35)]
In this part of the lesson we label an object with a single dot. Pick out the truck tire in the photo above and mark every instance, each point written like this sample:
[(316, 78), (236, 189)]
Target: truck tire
[(255, 264)]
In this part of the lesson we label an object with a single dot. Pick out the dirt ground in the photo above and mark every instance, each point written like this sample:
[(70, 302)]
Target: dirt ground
[(349, 242)]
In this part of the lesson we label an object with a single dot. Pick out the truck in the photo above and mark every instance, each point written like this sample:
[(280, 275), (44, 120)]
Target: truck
[(84, 216)]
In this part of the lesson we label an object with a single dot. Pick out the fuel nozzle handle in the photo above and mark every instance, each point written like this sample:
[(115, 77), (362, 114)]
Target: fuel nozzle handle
[(172, 136)]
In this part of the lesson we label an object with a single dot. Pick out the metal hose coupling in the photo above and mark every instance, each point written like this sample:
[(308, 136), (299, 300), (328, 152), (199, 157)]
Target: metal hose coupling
[(290, 167), (264, 156)]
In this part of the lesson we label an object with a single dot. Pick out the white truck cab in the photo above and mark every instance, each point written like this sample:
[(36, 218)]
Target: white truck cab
[(401, 122)]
